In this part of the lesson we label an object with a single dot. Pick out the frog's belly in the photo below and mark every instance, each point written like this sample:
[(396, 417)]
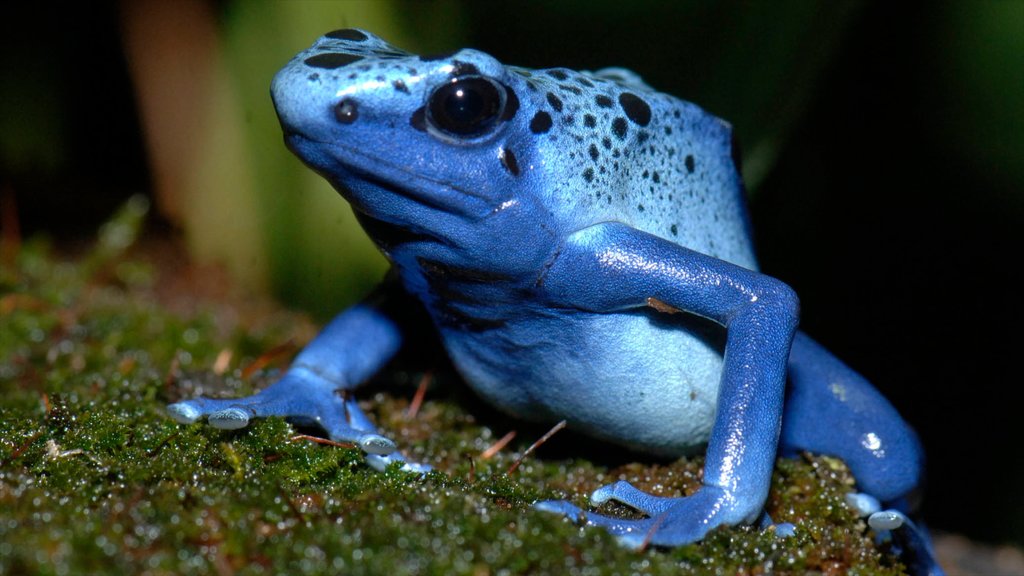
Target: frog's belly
[(644, 380)]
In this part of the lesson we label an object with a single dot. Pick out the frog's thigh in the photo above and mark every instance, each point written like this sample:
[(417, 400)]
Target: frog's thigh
[(830, 409)]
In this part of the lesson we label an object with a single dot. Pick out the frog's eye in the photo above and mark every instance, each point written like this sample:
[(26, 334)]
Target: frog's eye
[(466, 107)]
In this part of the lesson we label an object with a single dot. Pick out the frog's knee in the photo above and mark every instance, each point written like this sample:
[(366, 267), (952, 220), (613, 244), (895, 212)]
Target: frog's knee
[(887, 464)]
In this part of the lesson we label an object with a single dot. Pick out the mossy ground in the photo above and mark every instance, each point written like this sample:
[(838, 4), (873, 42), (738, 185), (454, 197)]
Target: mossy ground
[(95, 478)]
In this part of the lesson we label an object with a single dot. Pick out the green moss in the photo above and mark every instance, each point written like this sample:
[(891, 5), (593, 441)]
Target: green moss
[(94, 478)]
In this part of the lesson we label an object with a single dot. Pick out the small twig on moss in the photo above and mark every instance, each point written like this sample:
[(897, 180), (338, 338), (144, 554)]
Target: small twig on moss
[(650, 533), (172, 371), (291, 504), (10, 239), (220, 365), (497, 446), (417, 400), (268, 357), (11, 302), (320, 440), (21, 449), (156, 450), (543, 439)]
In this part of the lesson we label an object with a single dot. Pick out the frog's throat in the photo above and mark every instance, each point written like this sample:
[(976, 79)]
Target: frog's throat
[(432, 192)]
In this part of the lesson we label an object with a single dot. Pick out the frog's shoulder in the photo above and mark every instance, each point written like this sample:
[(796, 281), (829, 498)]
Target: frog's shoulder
[(617, 149)]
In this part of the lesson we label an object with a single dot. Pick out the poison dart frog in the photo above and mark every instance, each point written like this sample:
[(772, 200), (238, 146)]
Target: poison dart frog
[(581, 245)]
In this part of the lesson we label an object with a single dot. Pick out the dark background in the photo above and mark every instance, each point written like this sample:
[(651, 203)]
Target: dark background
[(893, 201)]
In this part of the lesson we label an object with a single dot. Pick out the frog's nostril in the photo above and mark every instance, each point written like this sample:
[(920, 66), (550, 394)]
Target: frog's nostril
[(346, 111)]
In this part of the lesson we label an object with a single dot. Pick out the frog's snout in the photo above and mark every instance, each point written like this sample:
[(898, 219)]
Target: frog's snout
[(300, 100), (279, 95)]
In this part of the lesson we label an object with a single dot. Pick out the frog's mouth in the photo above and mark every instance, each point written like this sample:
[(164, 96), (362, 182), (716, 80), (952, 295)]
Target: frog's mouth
[(345, 166)]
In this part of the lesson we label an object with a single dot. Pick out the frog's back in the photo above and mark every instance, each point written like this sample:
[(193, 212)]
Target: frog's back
[(617, 150)]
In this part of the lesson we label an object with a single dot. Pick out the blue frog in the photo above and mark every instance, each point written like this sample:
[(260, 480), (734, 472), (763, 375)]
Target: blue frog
[(582, 247)]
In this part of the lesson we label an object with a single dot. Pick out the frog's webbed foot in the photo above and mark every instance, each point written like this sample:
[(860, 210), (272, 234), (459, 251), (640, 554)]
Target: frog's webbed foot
[(669, 522), (909, 540), (303, 399)]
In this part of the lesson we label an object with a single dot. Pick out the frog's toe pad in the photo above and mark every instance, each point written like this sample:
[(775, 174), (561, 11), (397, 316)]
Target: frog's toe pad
[(230, 418), (863, 504), (785, 529), (887, 520), (375, 444), (381, 461), (184, 413)]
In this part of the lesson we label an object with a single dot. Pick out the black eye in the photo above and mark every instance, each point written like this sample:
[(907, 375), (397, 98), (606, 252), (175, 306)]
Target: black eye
[(466, 106)]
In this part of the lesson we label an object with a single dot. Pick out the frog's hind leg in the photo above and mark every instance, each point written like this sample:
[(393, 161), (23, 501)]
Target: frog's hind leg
[(830, 409)]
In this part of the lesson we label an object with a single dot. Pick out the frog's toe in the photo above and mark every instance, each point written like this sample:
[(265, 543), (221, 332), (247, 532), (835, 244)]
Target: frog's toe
[(381, 461), (782, 529), (228, 413), (569, 510), (617, 526), (625, 493)]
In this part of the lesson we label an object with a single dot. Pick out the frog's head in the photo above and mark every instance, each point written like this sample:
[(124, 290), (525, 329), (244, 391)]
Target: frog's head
[(419, 142)]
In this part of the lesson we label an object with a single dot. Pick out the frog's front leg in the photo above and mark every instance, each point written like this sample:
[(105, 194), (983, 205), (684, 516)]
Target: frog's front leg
[(315, 389), (611, 267)]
